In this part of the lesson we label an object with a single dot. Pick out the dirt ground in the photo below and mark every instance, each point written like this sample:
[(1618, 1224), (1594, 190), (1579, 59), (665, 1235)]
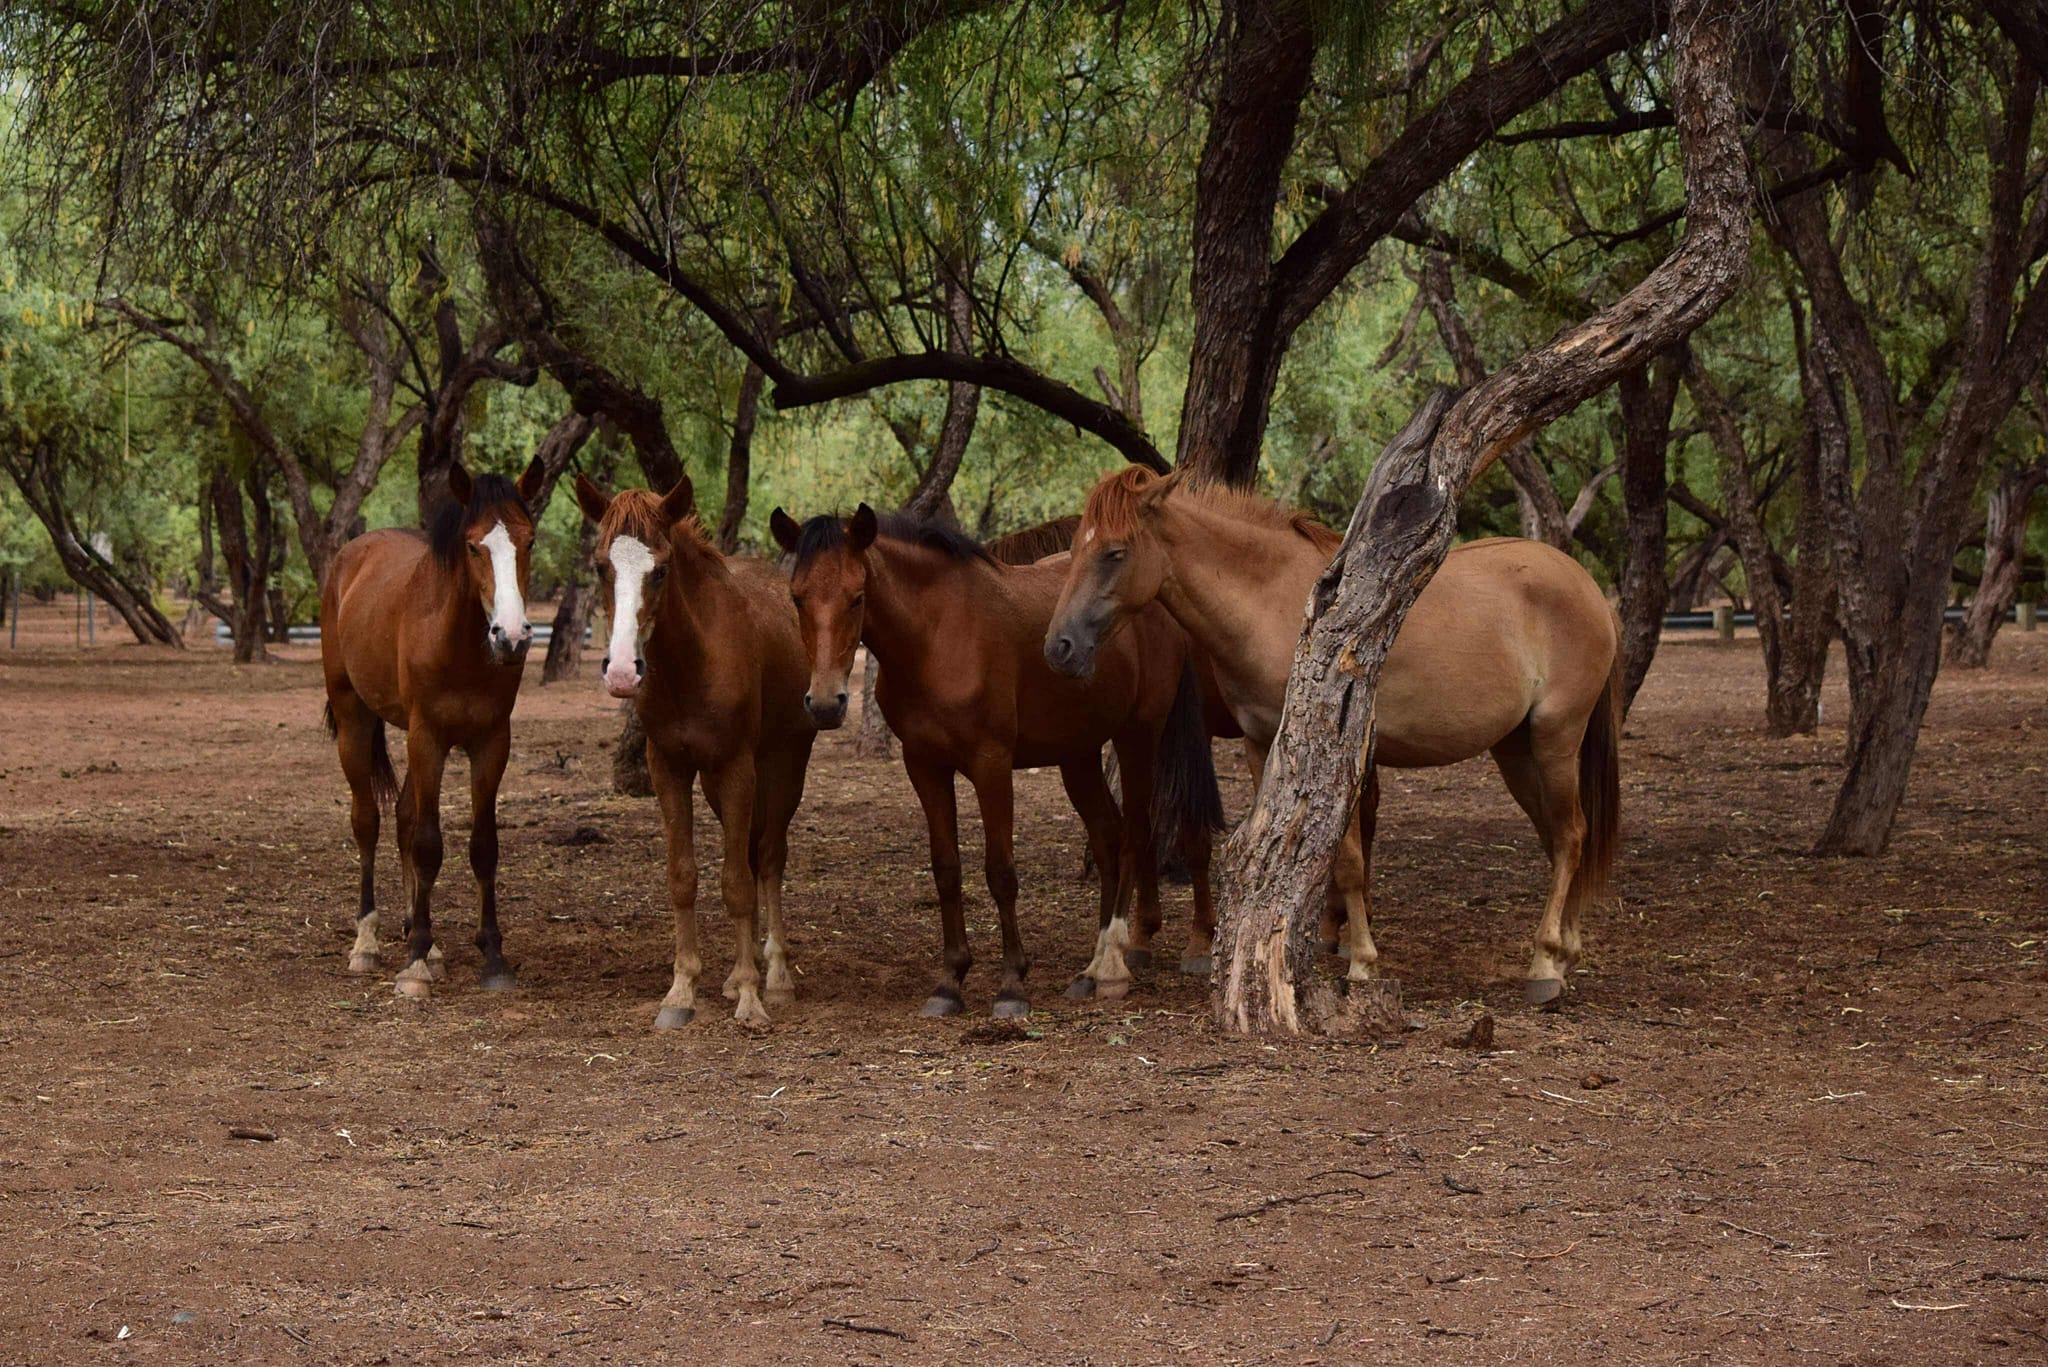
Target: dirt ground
[(1820, 1130)]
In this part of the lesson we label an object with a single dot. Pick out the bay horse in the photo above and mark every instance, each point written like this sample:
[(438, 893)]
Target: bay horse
[(965, 687), (707, 647), (428, 632), (1511, 649)]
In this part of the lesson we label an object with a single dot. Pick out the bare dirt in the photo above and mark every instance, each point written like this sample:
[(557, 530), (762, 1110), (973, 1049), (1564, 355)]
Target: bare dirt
[(1794, 1111)]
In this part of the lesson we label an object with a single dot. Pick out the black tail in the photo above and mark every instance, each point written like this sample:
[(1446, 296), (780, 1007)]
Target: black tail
[(383, 782), (1185, 799)]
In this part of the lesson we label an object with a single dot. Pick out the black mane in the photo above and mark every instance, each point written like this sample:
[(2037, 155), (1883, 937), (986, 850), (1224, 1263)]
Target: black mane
[(829, 533), (444, 533)]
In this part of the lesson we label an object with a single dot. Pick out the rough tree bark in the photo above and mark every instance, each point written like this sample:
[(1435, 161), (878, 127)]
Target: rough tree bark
[(1247, 305), (245, 546), (1895, 530), (579, 602), (1277, 863), (739, 459), (2005, 551), (459, 367), (1646, 398), (33, 467)]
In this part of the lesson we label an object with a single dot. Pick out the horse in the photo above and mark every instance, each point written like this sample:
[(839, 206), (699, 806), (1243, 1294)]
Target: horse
[(965, 688), (707, 647), (429, 634), (1511, 649)]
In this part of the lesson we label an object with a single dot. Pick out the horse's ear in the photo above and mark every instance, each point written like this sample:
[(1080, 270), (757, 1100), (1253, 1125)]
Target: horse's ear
[(784, 529), (679, 502), (860, 532), (532, 478), (591, 499), (1153, 495), (459, 486)]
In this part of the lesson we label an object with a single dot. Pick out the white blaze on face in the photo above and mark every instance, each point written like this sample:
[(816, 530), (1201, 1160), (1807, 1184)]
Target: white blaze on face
[(508, 609), (632, 562)]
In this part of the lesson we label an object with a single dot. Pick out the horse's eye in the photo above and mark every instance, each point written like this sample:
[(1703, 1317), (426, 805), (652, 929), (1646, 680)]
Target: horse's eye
[(475, 549), (1114, 557), (798, 599), (858, 599), (660, 573)]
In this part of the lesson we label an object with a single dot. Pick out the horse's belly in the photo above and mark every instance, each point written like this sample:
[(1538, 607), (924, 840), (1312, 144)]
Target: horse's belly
[(1448, 694)]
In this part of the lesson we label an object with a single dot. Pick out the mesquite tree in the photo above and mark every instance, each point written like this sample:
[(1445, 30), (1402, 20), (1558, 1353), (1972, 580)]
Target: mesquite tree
[(1277, 862)]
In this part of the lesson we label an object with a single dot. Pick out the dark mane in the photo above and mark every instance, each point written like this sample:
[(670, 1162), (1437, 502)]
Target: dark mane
[(444, 534), (828, 532), (1036, 543)]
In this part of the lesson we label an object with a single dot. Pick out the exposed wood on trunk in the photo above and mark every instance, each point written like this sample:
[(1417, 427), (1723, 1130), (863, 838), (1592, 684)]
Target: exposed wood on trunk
[(1277, 863)]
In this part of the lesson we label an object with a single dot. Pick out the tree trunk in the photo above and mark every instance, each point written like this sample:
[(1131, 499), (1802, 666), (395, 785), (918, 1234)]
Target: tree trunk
[(1646, 404), (33, 468), (629, 763), (2005, 552), (247, 557), (1269, 54), (1277, 863), (933, 496), (739, 460), (579, 599), (875, 740)]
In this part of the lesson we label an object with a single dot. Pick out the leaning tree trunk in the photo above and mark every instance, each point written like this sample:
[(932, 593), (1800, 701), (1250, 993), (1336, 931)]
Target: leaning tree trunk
[(739, 459), (2005, 553), (1277, 864), (34, 470), (1792, 702), (247, 556)]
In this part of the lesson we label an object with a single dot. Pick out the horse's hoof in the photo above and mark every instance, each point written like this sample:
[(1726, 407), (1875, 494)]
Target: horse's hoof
[(362, 963), (500, 981), (673, 1017), (752, 1014), (1112, 989), (1199, 965), (780, 996), (1081, 989), (1138, 960), (943, 1001), (414, 984), (1011, 1008), (1542, 991)]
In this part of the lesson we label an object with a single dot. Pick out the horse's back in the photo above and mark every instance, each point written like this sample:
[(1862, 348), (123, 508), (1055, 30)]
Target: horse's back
[(1507, 629)]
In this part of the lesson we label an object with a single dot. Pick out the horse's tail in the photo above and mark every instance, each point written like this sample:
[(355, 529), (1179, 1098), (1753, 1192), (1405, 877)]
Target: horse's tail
[(1600, 793), (383, 781), (1186, 803)]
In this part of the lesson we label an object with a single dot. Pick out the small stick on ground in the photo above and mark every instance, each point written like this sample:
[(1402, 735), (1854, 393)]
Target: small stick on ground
[(1275, 1202), (866, 1329)]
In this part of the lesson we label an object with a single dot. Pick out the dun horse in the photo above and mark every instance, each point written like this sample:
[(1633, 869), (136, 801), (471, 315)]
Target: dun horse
[(428, 633), (965, 688), (1511, 648), (707, 646)]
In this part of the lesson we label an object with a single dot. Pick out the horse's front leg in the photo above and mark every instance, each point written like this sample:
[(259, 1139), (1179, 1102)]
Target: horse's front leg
[(672, 782), (426, 756), (486, 770), (732, 796), (934, 785), (992, 789), (1089, 792)]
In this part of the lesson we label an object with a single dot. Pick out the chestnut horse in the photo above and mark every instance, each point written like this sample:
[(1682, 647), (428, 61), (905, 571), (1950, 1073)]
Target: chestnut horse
[(965, 688), (429, 633), (707, 647), (1510, 648)]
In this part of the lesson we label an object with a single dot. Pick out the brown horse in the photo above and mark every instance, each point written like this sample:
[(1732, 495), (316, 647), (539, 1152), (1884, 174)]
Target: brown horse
[(429, 633), (1510, 648), (707, 646), (965, 688)]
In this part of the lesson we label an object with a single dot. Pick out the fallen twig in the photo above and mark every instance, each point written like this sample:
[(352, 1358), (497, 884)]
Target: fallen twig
[(1275, 1202), (991, 1246), (255, 1132), (866, 1329), (1773, 1240), (1459, 1187), (1898, 1304)]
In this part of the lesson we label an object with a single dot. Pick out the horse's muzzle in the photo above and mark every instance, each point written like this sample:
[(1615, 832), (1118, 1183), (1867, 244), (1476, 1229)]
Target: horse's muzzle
[(621, 684), (507, 649), (1067, 656), (827, 714)]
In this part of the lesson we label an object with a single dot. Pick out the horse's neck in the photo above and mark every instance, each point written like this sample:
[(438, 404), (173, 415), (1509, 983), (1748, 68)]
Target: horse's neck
[(698, 593), (897, 626), (1224, 573)]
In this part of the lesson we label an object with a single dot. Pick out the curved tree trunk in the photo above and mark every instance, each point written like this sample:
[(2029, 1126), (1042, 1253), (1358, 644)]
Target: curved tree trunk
[(1277, 863), (739, 459), (1646, 404), (2005, 553)]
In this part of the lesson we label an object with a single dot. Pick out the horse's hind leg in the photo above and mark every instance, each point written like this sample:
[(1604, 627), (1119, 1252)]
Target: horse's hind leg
[(1200, 959), (1140, 869), (425, 759), (355, 736), (1542, 771), (1351, 880), (993, 790), (486, 771), (782, 791), (1089, 792)]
